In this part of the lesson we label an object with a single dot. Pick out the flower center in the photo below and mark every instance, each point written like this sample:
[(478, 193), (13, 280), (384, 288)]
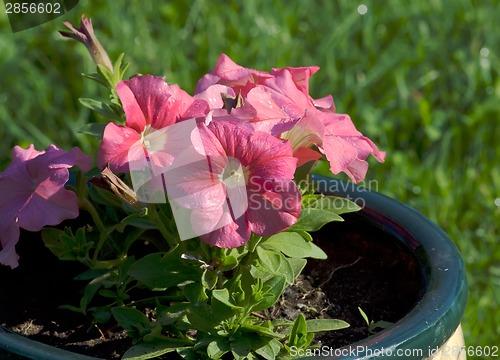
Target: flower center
[(144, 136), (233, 174)]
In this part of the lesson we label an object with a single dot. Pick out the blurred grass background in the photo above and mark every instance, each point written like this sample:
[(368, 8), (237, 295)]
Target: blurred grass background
[(421, 79)]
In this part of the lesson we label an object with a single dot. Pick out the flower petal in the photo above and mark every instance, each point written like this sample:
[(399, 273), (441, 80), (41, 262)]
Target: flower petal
[(213, 95), (232, 235), (261, 111), (9, 236), (300, 76), (59, 159), (116, 144), (227, 72), (149, 100), (274, 205), (55, 206), (305, 155)]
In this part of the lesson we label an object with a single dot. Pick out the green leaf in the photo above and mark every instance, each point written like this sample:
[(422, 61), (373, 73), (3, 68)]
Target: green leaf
[(209, 279), (228, 262), (132, 320), (319, 209), (54, 240), (271, 292), (241, 347), (223, 296), (262, 330), (159, 271), (93, 129), (305, 235), (289, 243), (299, 336), (318, 325), (171, 314), (119, 69), (206, 317), (104, 72), (97, 78), (270, 350), (108, 293), (123, 69), (188, 353), (195, 293), (270, 262), (143, 351), (269, 259), (66, 245), (216, 349), (91, 288), (138, 220), (90, 274), (294, 245), (297, 265), (101, 314), (99, 107), (365, 317), (333, 204), (314, 219)]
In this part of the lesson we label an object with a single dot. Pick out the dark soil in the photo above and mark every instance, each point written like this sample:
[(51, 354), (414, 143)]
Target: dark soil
[(32, 293), (366, 268)]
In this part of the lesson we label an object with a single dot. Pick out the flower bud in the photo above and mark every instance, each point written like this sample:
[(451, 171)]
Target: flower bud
[(110, 182), (85, 34)]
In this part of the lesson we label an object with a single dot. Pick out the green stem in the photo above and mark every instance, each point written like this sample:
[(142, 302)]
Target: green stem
[(167, 235), (254, 242), (86, 205), (106, 264)]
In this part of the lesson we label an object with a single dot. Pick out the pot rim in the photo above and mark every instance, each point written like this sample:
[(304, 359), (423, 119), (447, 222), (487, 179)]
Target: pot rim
[(438, 313), (427, 326)]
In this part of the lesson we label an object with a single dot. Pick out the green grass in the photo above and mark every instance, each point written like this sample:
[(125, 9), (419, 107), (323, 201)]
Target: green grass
[(419, 78)]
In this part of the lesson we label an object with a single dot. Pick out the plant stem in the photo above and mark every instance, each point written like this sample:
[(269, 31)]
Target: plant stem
[(167, 235), (106, 264), (254, 242), (86, 205)]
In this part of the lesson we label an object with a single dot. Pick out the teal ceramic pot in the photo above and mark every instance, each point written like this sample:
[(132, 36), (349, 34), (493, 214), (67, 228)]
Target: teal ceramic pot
[(429, 325), (437, 315)]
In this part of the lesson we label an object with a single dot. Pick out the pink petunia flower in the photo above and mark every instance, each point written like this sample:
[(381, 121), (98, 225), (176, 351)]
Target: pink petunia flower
[(334, 135), (278, 102), (272, 102), (32, 193), (244, 184), (150, 104)]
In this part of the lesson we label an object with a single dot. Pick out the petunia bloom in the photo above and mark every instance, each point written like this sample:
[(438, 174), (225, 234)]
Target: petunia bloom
[(150, 104), (335, 136), (270, 103), (243, 185), (32, 193), (278, 103)]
